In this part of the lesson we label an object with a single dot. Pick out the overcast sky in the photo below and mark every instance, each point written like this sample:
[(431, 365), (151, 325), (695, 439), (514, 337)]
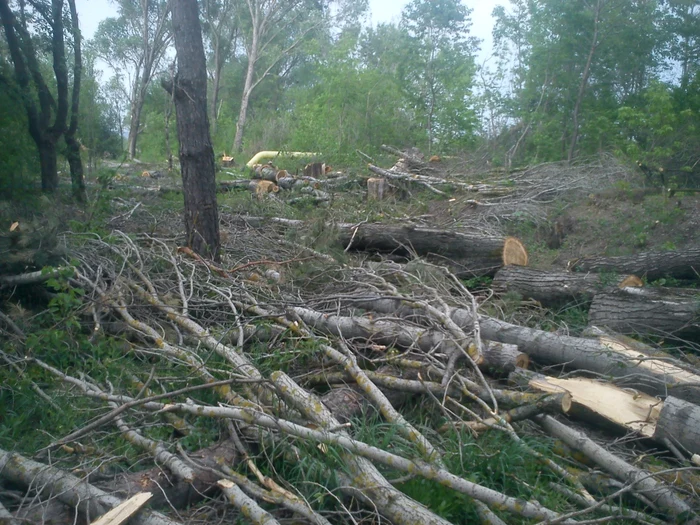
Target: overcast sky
[(92, 11)]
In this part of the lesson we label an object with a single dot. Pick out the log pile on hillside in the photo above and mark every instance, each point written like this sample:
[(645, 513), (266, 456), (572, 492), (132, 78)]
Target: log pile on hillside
[(291, 370)]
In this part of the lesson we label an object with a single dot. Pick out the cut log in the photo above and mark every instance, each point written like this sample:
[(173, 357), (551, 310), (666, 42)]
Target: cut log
[(652, 265), (554, 287), (467, 255), (261, 187), (500, 358), (514, 252), (659, 311), (594, 400), (679, 422), (606, 356), (267, 172)]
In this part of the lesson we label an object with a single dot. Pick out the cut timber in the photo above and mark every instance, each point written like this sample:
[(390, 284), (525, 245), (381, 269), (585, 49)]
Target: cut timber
[(514, 252), (377, 189), (629, 410), (260, 187), (467, 255), (552, 287), (652, 265), (659, 311), (679, 422), (122, 513), (267, 172), (502, 358), (607, 356)]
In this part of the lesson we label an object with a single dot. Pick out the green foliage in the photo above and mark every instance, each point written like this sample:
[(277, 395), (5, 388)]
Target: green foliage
[(18, 161)]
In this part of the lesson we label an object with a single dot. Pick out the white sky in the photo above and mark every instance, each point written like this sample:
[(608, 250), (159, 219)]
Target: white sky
[(92, 11)]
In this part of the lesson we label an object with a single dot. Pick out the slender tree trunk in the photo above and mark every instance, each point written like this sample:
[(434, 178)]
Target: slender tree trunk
[(215, 87), (135, 123), (73, 146), (168, 114), (196, 152), (584, 81), (243, 113)]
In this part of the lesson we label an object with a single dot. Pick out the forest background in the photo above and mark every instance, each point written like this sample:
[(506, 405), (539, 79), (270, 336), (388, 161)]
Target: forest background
[(567, 79)]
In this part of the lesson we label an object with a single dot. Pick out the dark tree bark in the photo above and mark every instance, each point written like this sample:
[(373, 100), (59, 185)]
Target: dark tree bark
[(72, 144), (659, 311), (679, 422), (28, 75), (554, 287), (196, 151), (652, 265)]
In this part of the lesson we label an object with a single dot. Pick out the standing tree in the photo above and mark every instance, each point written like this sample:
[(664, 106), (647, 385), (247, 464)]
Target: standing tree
[(189, 91), (221, 32), (72, 143), (47, 114), (438, 72), (133, 44), (275, 28)]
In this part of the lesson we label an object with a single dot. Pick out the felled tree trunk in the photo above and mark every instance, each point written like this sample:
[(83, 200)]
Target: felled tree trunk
[(679, 422), (596, 401), (648, 310), (604, 355), (552, 287), (652, 265), (470, 255)]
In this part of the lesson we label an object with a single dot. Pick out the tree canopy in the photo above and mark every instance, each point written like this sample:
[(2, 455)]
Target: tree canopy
[(566, 79)]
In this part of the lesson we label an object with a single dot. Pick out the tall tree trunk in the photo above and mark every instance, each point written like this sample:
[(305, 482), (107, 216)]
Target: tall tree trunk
[(243, 113), (47, 162), (196, 152), (29, 76), (216, 80), (73, 145), (584, 81), (135, 122)]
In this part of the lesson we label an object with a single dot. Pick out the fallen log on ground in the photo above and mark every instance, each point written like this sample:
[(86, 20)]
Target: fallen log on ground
[(466, 255), (595, 401), (679, 424), (556, 287), (652, 265), (655, 375), (659, 311)]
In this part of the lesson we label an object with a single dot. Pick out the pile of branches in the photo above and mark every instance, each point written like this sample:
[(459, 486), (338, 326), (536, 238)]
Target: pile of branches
[(515, 194), (355, 340)]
